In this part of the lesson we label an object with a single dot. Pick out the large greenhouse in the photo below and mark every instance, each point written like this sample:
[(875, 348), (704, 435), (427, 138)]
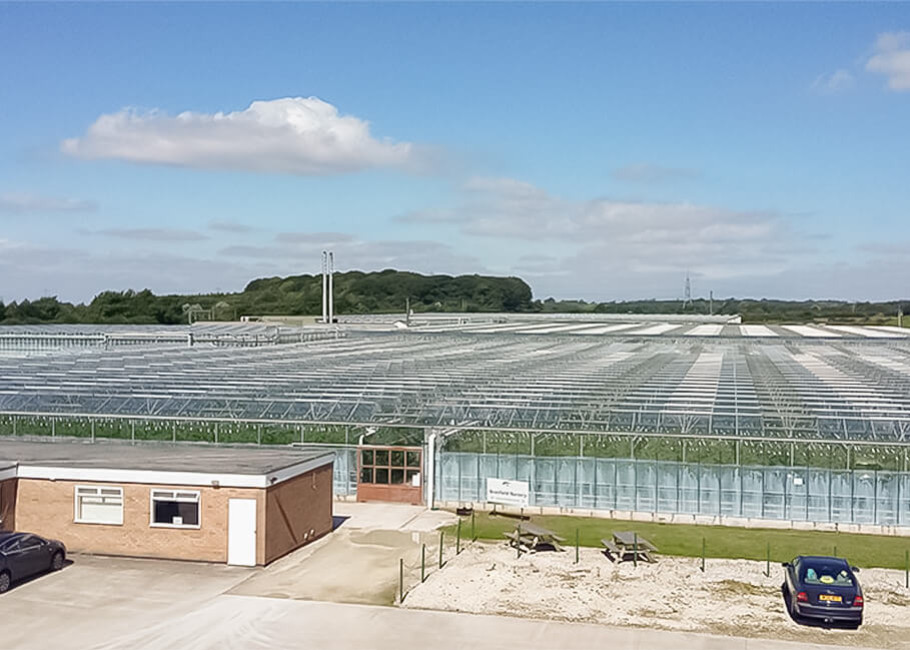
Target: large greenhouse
[(709, 417)]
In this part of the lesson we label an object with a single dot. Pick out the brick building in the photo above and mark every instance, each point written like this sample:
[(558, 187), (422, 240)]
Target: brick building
[(244, 506)]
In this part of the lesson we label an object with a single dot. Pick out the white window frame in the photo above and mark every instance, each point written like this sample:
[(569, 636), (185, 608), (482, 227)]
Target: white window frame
[(97, 493), (171, 495)]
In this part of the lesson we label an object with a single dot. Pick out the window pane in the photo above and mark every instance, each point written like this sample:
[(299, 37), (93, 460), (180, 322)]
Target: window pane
[(366, 475), (411, 474), (413, 459), (177, 513), (382, 475), (382, 457), (397, 476), (397, 458), (366, 457)]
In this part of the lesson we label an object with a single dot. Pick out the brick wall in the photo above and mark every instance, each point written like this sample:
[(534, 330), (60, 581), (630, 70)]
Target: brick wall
[(298, 511), (48, 508)]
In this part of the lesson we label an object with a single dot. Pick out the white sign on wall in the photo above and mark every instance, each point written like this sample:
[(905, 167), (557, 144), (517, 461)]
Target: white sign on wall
[(507, 493)]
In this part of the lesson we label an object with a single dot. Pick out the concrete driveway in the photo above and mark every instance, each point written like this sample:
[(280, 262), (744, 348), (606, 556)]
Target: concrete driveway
[(97, 598)]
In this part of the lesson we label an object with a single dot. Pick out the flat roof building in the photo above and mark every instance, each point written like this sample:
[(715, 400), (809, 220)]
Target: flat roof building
[(244, 506)]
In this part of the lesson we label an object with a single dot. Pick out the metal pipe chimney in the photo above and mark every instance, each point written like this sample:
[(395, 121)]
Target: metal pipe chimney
[(331, 287), (325, 288)]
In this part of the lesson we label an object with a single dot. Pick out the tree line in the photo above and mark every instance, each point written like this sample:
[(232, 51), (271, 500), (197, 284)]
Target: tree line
[(389, 291), (355, 293)]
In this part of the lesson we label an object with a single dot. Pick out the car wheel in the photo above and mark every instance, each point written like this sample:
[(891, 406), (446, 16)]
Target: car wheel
[(4, 581), (57, 561)]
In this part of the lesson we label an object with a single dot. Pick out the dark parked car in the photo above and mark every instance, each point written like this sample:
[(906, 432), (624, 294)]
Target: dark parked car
[(823, 588), (24, 554)]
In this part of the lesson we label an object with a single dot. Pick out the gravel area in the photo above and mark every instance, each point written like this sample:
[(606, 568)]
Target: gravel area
[(732, 597)]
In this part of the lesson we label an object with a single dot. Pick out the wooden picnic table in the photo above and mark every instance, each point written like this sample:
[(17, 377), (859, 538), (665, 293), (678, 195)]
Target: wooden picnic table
[(629, 546), (531, 538)]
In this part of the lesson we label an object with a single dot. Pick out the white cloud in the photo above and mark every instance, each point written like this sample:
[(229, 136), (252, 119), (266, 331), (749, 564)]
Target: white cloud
[(150, 234), (230, 226), (834, 82), (651, 173), (293, 135), (25, 203), (892, 59), (422, 256), (633, 243)]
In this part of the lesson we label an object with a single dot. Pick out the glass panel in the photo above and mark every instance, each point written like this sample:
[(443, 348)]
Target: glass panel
[(397, 458), (382, 456), (397, 476), (411, 474), (382, 475), (366, 457), (413, 459), (177, 513), (366, 474)]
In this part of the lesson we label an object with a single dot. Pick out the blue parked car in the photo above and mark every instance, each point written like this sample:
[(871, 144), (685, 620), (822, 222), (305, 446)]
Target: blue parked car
[(823, 588), (24, 554)]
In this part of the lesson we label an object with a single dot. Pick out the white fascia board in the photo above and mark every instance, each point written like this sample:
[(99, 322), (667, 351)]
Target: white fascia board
[(164, 477), (156, 477), (8, 472)]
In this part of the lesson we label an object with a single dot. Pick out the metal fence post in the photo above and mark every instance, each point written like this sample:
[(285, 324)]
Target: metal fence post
[(473, 534), (702, 554), (423, 562), (635, 549), (907, 569), (400, 580), (458, 539), (576, 546), (768, 561), (441, 540)]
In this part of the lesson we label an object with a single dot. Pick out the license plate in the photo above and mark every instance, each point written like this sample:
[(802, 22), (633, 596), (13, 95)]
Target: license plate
[(829, 598)]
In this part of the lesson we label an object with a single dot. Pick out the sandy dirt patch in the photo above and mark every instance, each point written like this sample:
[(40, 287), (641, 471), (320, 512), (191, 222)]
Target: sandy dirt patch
[(732, 597)]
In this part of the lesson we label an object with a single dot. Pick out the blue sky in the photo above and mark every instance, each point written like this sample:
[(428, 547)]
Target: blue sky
[(599, 151)]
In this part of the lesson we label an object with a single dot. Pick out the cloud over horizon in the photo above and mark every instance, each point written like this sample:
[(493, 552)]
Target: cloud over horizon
[(633, 243), (294, 135)]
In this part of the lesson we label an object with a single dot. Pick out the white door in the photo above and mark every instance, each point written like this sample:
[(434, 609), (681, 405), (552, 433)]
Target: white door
[(242, 532)]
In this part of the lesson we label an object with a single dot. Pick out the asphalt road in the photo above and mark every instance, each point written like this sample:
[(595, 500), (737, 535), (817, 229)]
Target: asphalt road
[(252, 623)]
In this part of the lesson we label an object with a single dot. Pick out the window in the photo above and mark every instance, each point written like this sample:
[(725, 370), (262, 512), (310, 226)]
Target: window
[(395, 467), (175, 509), (99, 505), (826, 573)]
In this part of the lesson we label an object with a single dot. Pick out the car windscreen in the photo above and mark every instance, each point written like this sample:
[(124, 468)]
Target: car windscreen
[(826, 574)]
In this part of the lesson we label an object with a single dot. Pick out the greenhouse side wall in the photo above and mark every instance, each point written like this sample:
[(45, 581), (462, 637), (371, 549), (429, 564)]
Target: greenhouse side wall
[(878, 498)]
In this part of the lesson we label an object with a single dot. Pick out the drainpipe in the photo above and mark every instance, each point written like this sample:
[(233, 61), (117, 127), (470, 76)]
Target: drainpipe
[(431, 469)]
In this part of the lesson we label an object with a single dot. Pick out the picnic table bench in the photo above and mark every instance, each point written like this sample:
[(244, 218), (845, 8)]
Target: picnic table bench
[(628, 546), (531, 537)]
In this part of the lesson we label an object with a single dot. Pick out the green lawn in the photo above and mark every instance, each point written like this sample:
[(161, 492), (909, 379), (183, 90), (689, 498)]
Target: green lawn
[(720, 541)]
